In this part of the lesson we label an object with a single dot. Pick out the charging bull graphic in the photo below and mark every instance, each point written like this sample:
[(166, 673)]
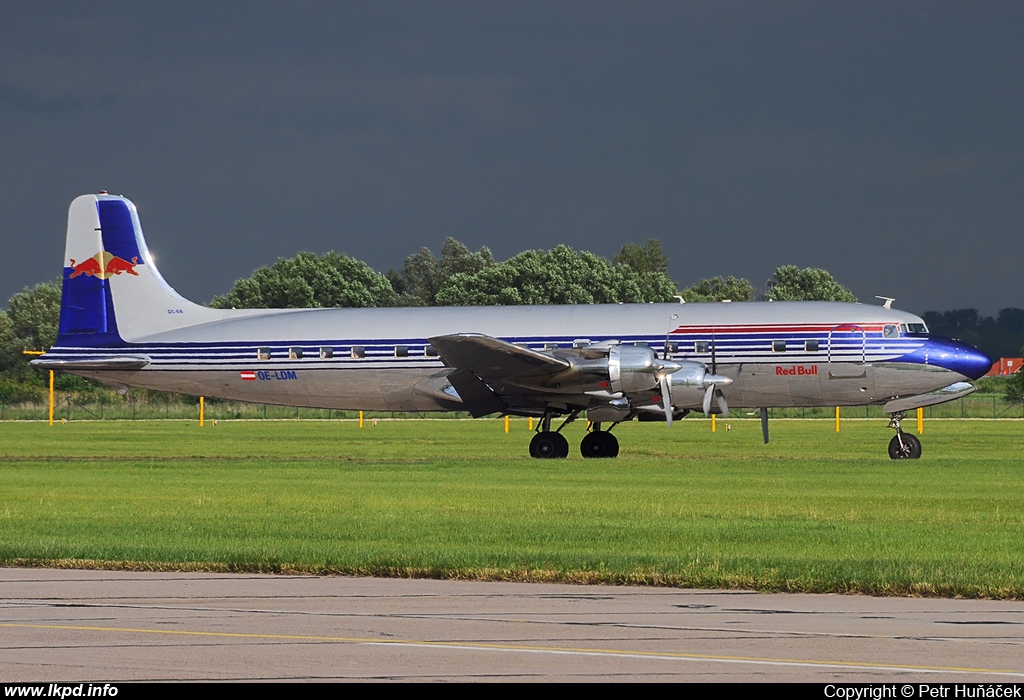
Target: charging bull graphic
[(103, 265)]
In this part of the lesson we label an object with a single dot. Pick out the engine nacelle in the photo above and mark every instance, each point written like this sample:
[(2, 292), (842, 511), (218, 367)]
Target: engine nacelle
[(689, 384), (631, 369), (690, 375)]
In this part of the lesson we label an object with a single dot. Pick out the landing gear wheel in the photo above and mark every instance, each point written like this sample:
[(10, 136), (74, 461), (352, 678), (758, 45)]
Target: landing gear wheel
[(909, 449), (549, 445), (599, 444)]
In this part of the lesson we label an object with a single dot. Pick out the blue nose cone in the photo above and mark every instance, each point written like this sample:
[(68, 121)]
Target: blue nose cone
[(958, 357)]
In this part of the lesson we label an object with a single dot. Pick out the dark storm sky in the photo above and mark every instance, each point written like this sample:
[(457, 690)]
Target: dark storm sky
[(881, 141)]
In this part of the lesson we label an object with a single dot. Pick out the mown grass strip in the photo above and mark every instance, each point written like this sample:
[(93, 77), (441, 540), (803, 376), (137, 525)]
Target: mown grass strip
[(812, 511)]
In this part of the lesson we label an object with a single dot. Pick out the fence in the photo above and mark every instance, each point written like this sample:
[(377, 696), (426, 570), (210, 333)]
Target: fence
[(134, 407)]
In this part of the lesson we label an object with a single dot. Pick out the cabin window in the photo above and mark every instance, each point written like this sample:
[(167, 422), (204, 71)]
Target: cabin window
[(700, 346), (671, 347), (642, 344), (778, 346), (890, 331), (326, 353), (358, 351), (401, 351), (550, 346), (811, 345), (581, 342), (263, 354), (294, 353), (429, 351)]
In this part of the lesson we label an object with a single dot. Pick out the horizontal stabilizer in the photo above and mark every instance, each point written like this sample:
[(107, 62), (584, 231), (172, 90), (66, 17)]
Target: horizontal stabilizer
[(92, 362), (492, 359), (950, 393)]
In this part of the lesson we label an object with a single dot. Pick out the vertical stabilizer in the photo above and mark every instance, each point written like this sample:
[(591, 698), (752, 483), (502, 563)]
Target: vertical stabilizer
[(112, 291)]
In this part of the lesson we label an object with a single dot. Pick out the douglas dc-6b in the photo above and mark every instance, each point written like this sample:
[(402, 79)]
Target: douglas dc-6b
[(122, 324)]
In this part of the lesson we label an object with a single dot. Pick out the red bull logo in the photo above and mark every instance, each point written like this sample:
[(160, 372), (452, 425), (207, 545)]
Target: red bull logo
[(796, 371), (104, 265)]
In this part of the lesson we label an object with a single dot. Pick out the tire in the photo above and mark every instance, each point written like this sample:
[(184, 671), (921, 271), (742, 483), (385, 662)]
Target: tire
[(910, 449), (915, 445), (563, 446), (549, 445), (598, 445)]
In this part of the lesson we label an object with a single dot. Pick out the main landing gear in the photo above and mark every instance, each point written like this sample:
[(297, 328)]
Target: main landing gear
[(548, 444), (551, 444), (599, 444), (903, 445)]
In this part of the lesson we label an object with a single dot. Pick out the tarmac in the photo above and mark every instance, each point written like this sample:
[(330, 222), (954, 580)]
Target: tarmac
[(99, 626)]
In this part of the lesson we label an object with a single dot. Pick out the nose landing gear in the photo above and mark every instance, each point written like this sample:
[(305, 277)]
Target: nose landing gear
[(903, 445)]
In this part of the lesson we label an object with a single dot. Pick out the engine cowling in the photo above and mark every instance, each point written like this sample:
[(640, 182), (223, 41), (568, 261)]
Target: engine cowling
[(632, 369), (690, 384)]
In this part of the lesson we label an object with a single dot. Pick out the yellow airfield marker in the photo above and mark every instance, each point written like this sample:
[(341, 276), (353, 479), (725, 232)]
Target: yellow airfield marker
[(920, 421), (837, 419), (201, 411)]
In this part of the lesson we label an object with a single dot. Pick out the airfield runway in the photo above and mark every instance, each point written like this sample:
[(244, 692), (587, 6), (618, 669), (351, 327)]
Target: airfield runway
[(65, 625)]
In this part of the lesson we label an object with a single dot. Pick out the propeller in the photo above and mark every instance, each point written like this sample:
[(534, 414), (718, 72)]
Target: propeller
[(713, 381), (714, 391), (662, 370)]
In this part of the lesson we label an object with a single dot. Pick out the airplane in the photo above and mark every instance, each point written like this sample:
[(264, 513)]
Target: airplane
[(122, 324)]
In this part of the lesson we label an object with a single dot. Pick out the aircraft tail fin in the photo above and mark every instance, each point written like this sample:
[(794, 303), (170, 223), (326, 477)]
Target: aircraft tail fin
[(112, 292)]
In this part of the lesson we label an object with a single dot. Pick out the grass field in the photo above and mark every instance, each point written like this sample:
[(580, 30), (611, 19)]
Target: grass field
[(812, 511)]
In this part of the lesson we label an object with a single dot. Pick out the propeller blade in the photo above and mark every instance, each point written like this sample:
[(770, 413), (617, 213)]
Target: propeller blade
[(723, 407), (707, 399), (764, 424), (666, 398)]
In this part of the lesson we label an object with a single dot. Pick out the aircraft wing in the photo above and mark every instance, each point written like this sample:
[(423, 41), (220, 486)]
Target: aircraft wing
[(492, 359), (480, 360)]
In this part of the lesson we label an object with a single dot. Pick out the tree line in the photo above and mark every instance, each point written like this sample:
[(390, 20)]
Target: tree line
[(462, 277)]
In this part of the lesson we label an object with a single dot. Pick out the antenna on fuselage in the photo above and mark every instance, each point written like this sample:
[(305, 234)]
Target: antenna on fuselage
[(888, 301)]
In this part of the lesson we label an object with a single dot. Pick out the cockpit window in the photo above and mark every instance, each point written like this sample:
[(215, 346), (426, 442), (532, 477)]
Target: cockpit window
[(915, 328)]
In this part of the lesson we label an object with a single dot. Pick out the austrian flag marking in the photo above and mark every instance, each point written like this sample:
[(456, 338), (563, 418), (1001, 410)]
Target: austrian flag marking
[(248, 376)]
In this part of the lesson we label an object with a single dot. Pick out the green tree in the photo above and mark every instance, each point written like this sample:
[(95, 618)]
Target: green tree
[(417, 283), (1014, 388), (310, 281), (1014, 391), (718, 288), (557, 276), (29, 323), (423, 275), (790, 283), (643, 259)]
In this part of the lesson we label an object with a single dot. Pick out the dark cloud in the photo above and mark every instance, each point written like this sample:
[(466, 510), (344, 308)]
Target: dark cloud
[(879, 141)]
